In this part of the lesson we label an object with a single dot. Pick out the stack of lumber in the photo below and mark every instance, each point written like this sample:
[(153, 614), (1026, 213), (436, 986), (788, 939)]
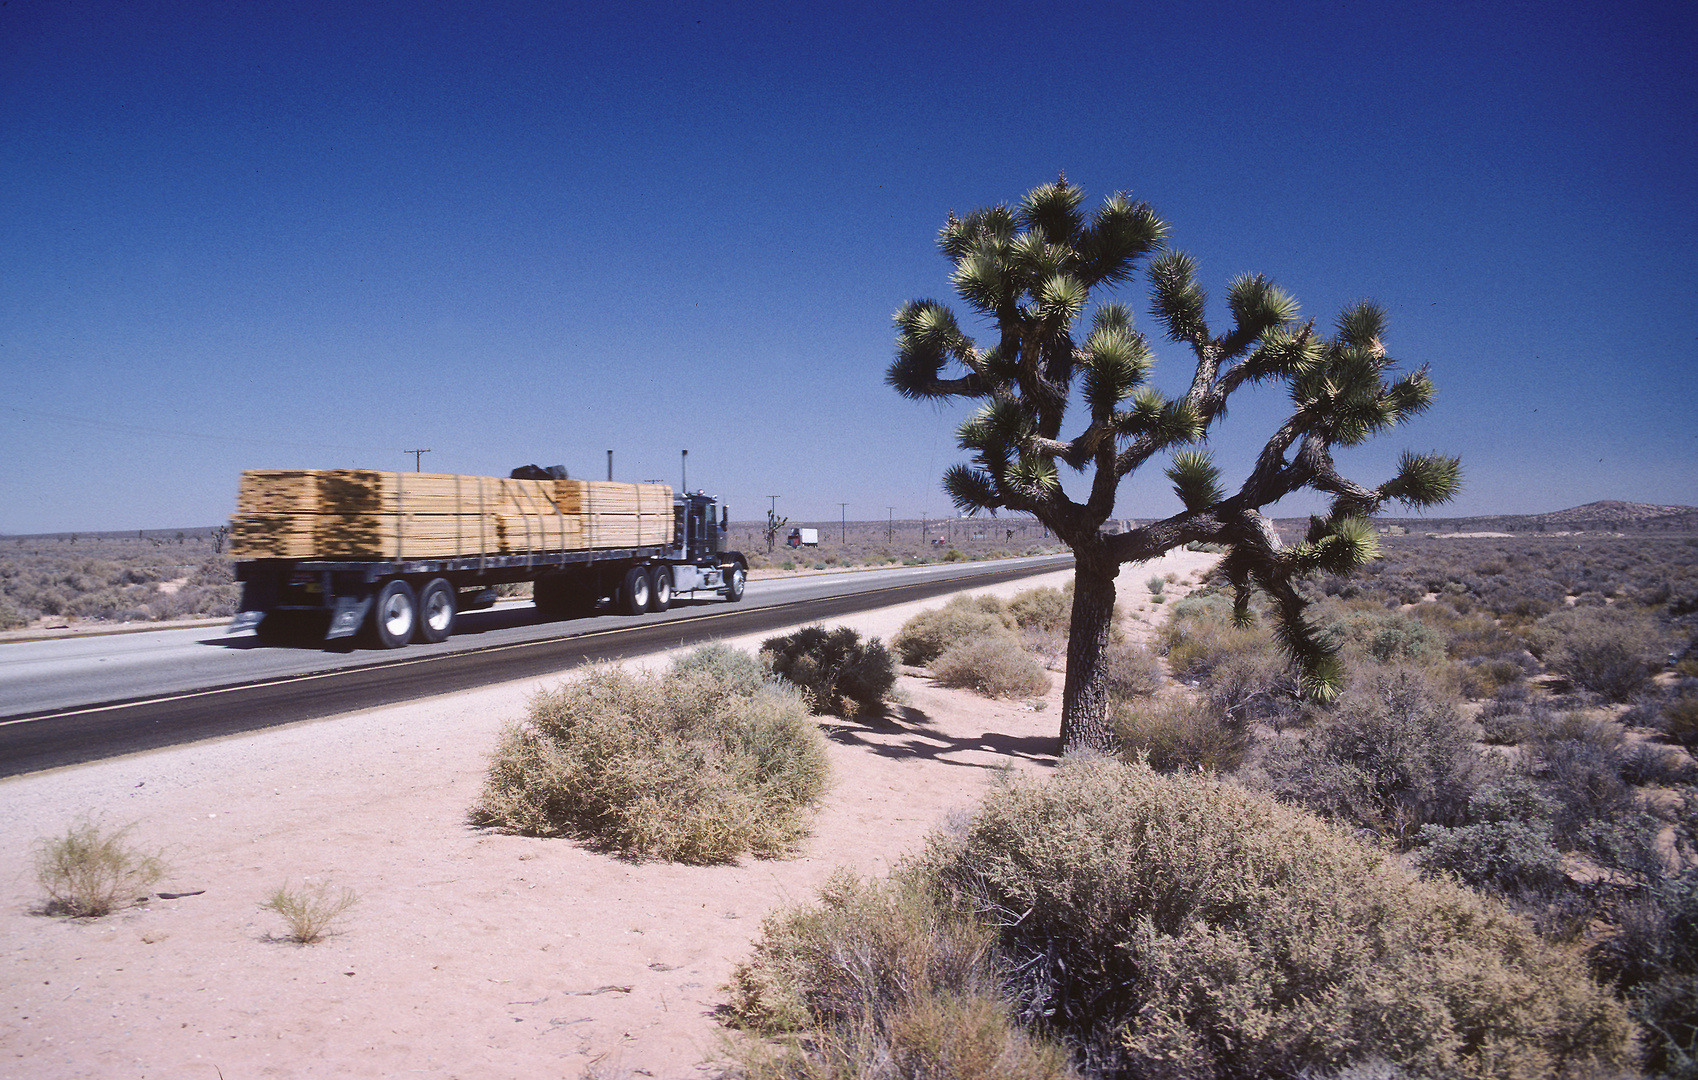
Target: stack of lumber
[(359, 513)]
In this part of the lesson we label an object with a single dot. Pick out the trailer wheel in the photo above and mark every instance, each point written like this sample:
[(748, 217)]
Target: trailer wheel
[(635, 593), (735, 578), (394, 615), (660, 589), (437, 609)]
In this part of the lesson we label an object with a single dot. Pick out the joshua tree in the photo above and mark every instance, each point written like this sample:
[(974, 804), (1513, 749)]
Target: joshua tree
[(1031, 270), (774, 526)]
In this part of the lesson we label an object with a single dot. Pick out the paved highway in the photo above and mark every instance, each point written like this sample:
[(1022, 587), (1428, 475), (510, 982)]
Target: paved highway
[(80, 699)]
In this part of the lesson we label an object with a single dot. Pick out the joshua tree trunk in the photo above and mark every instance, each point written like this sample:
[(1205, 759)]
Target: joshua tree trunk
[(1084, 697)]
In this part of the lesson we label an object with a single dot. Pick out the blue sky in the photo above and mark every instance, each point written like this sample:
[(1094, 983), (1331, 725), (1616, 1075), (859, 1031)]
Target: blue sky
[(316, 235)]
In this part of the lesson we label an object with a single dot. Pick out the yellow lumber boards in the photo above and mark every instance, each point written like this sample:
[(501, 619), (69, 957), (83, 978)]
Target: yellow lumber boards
[(359, 513)]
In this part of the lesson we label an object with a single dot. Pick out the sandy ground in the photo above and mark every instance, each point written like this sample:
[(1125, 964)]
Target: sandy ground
[(469, 954)]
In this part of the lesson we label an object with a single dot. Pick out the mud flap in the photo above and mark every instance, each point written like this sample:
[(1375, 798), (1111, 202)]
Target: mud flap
[(348, 616)]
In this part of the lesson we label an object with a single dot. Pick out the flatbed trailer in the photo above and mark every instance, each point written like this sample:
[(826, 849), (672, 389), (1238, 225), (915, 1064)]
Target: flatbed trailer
[(396, 601)]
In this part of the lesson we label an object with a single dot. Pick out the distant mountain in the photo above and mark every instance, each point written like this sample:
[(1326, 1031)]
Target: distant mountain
[(1609, 515)]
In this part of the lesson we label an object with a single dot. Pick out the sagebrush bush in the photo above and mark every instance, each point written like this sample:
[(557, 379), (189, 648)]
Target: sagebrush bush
[(1610, 651), (1179, 731), (883, 981), (994, 667), (1392, 754), (1386, 636), (1132, 670), (837, 671), (695, 765), (1515, 858), (90, 871), (1180, 927), (1654, 958), (1043, 607), (929, 634)]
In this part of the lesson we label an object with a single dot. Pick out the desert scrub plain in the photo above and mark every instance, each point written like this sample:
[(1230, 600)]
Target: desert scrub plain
[(1478, 861), (141, 577), (1452, 870)]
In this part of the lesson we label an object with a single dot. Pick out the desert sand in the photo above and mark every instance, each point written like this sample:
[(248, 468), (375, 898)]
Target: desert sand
[(470, 954)]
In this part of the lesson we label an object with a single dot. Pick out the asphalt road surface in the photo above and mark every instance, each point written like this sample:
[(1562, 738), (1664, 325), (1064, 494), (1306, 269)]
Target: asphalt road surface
[(81, 699)]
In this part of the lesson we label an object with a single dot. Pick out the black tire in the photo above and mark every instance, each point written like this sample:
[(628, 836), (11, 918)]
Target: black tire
[(735, 579), (438, 607), (635, 593), (394, 615), (660, 588)]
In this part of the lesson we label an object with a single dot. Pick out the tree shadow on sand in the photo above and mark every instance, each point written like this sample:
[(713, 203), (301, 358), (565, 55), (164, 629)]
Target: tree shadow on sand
[(904, 733)]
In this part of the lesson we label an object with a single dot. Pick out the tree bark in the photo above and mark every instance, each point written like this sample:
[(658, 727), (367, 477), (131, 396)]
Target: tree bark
[(1085, 724)]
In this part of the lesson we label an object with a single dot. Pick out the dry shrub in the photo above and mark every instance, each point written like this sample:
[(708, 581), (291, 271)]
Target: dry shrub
[(1393, 753), (309, 911), (1199, 636), (1386, 636), (1608, 650), (1179, 732), (1180, 927), (1049, 646), (836, 671), (89, 872), (1132, 670), (697, 765), (881, 981), (1044, 607), (929, 634), (993, 666)]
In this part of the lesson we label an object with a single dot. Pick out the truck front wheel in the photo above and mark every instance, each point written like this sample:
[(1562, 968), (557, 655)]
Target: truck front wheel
[(735, 579), (394, 615), (635, 593), (436, 611)]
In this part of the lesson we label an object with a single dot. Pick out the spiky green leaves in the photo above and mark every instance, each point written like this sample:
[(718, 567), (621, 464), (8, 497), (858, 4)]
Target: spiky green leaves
[(1121, 233), (1196, 479), (1424, 480), (970, 489), (1052, 211), (1258, 305), (1116, 361), (1177, 299), (1336, 545), (1361, 325), (927, 338)]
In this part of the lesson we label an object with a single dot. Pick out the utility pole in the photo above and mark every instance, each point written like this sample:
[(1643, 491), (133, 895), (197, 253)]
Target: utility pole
[(843, 519), (774, 507), (418, 455), (889, 523)]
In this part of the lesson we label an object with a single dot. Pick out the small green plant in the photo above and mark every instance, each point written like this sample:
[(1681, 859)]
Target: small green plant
[(836, 670), (309, 910), (1156, 584), (88, 872)]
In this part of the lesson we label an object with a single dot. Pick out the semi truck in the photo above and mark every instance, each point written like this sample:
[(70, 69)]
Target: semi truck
[(393, 558)]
